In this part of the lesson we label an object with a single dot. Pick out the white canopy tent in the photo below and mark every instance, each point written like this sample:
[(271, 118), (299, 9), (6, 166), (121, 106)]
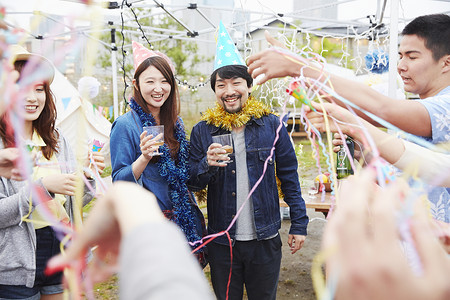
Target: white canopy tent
[(384, 22), (77, 118)]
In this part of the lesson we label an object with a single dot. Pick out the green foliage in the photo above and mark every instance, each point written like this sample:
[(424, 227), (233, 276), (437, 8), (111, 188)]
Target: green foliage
[(106, 171)]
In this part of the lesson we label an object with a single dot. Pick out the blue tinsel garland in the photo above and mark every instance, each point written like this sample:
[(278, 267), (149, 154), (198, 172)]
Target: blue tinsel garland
[(377, 61), (176, 174)]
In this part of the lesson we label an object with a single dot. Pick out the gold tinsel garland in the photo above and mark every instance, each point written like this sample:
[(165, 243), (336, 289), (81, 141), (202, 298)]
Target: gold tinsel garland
[(218, 117)]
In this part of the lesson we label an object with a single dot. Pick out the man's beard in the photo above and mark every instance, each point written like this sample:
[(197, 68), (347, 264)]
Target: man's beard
[(233, 110)]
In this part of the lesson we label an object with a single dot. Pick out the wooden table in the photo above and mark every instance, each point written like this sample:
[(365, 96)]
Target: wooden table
[(299, 131), (316, 202)]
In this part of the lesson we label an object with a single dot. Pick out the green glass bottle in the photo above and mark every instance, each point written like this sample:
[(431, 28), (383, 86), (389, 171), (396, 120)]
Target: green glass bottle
[(343, 166)]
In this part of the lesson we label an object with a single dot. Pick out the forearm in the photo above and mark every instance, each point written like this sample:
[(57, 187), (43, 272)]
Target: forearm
[(14, 207), (122, 165), (390, 147), (141, 206), (139, 166), (200, 171), (357, 93), (200, 174), (124, 148), (431, 166), (385, 110), (170, 272)]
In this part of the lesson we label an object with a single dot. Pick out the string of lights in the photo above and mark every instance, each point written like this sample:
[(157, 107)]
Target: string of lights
[(123, 53)]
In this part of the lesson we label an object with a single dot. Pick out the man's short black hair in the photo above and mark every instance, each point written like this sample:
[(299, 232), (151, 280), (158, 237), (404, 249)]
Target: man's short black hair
[(231, 71), (435, 30)]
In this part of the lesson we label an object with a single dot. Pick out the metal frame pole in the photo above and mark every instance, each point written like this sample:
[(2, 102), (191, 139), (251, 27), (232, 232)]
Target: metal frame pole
[(114, 73), (393, 49)]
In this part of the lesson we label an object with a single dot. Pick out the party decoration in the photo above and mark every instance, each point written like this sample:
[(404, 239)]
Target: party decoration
[(140, 53), (88, 86), (97, 146), (377, 61), (226, 52), (299, 93), (221, 118), (66, 101)]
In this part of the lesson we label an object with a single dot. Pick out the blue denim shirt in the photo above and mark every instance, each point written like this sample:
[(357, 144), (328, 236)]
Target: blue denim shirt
[(221, 181), (438, 108)]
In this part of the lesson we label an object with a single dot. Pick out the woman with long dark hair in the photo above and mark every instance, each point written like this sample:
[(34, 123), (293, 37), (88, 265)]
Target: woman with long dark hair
[(156, 102), (27, 239)]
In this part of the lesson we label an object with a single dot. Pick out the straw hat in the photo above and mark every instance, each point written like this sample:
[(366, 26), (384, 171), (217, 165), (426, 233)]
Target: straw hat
[(45, 69)]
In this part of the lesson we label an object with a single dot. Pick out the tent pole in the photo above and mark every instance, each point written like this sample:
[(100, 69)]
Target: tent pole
[(114, 72), (393, 49)]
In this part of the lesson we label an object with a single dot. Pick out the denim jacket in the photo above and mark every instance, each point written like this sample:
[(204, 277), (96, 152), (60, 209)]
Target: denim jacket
[(221, 181), (125, 149)]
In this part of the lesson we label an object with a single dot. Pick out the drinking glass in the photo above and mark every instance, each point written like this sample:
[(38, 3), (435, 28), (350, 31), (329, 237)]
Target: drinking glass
[(313, 190), (227, 144), (156, 131)]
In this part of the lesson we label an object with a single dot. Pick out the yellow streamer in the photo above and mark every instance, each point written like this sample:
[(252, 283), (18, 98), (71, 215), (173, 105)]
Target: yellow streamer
[(317, 276)]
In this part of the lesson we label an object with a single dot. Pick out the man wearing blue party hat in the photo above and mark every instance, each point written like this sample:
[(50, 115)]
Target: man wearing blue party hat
[(243, 183)]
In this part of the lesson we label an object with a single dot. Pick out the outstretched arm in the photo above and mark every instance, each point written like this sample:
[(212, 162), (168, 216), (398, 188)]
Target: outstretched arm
[(403, 154), (151, 249), (397, 112)]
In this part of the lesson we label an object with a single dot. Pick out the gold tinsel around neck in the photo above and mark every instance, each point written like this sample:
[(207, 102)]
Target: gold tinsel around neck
[(218, 117)]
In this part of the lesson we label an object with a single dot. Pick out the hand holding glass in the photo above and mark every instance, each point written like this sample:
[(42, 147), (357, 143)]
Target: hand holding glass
[(227, 144), (156, 131)]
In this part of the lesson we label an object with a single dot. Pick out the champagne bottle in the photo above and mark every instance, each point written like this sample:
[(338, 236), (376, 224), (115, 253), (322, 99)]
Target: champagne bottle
[(343, 166)]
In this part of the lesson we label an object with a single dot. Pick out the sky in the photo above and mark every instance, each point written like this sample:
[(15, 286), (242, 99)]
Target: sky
[(359, 8), (351, 10)]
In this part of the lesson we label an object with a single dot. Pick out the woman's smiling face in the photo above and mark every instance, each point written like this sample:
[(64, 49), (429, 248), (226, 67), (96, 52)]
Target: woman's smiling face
[(154, 87), (34, 102)]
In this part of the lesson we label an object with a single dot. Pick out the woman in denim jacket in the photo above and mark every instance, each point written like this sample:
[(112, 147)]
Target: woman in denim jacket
[(156, 102)]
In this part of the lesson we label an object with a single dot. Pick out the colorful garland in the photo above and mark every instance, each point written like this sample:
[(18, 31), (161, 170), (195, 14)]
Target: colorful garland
[(176, 174), (377, 61), (219, 117)]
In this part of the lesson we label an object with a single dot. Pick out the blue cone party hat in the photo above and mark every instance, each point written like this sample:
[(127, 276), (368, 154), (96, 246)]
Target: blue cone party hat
[(226, 52)]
